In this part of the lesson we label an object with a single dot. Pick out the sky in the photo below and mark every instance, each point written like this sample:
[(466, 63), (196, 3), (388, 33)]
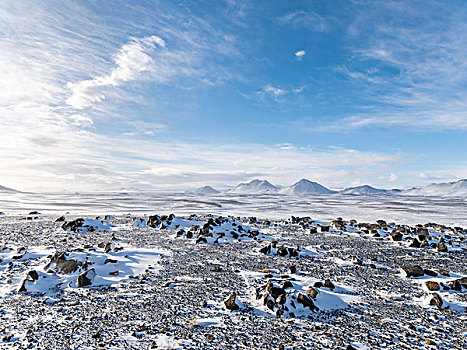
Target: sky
[(109, 95)]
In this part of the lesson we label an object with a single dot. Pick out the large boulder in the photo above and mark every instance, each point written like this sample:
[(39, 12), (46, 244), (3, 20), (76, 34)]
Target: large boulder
[(62, 264), (436, 300), (396, 236), (431, 285), (230, 303), (412, 270), (85, 278)]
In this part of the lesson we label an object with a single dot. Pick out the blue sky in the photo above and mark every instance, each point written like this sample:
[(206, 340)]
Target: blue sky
[(163, 94)]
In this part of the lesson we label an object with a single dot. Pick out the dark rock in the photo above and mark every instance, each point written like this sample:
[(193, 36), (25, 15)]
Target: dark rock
[(444, 272), (306, 301), (62, 263), (415, 243), (7, 337), (275, 291), (282, 251), (430, 273), (431, 285), (201, 239), (60, 219), (436, 300), (22, 287), (230, 302), (281, 299), (108, 247), (413, 271), (270, 304), (329, 284), (396, 236), (292, 252), (455, 285), (287, 284), (313, 293), (85, 278), (33, 275), (265, 250), (441, 247), (463, 282)]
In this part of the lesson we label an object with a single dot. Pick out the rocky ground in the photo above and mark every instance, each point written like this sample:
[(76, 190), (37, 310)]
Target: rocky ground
[(209, 282)]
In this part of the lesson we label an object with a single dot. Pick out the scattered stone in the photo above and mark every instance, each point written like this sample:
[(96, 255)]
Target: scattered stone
[(442, 247), (230, 302), (413, 271), (431, 285), (396, 236), (85, 278), (436, 300)]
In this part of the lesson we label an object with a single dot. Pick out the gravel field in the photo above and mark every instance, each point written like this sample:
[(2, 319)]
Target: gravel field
[(163, 282)]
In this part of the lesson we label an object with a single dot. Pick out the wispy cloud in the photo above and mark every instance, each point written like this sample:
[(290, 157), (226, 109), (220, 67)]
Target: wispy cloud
[(275, 93), (306, 19), (419, 65), (131, 61), (148, 164)]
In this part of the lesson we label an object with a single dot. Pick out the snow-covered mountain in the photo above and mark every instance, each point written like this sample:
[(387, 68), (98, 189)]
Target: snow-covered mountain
[(7, 189), (448, 189), (205, 190), (304, 187), (365, 190), (255, 187)]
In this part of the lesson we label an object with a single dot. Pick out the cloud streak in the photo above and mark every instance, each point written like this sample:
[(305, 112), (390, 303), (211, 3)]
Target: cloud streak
[(419, 70), (133, 59)]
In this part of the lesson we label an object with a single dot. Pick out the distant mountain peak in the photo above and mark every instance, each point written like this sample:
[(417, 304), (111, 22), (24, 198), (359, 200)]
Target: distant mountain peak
[(449, 189), (255, 186), (206, 190), (363, 190), (304, 187)]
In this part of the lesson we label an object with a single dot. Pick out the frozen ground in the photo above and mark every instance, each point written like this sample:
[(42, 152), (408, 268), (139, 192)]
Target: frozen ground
[(406, 209), (102, 278)]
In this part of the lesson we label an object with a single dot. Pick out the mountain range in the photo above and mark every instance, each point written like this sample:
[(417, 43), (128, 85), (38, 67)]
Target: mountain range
[(307, 187)]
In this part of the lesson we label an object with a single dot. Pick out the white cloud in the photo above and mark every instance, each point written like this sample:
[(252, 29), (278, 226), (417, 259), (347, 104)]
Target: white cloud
[(274, 91), (300, 54), (392, 177), (148, 163), (131, 61)]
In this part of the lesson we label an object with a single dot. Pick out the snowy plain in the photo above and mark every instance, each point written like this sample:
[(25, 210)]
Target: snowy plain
[(409, 210)]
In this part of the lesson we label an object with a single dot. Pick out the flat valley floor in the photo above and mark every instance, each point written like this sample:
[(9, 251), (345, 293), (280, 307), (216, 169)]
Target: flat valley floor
[(118, 271)]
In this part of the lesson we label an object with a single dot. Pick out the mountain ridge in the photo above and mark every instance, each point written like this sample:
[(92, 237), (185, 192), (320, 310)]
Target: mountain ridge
[(304, 187)]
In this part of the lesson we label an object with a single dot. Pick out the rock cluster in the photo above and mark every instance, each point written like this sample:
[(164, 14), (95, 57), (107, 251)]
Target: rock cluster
[(81, 225)]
